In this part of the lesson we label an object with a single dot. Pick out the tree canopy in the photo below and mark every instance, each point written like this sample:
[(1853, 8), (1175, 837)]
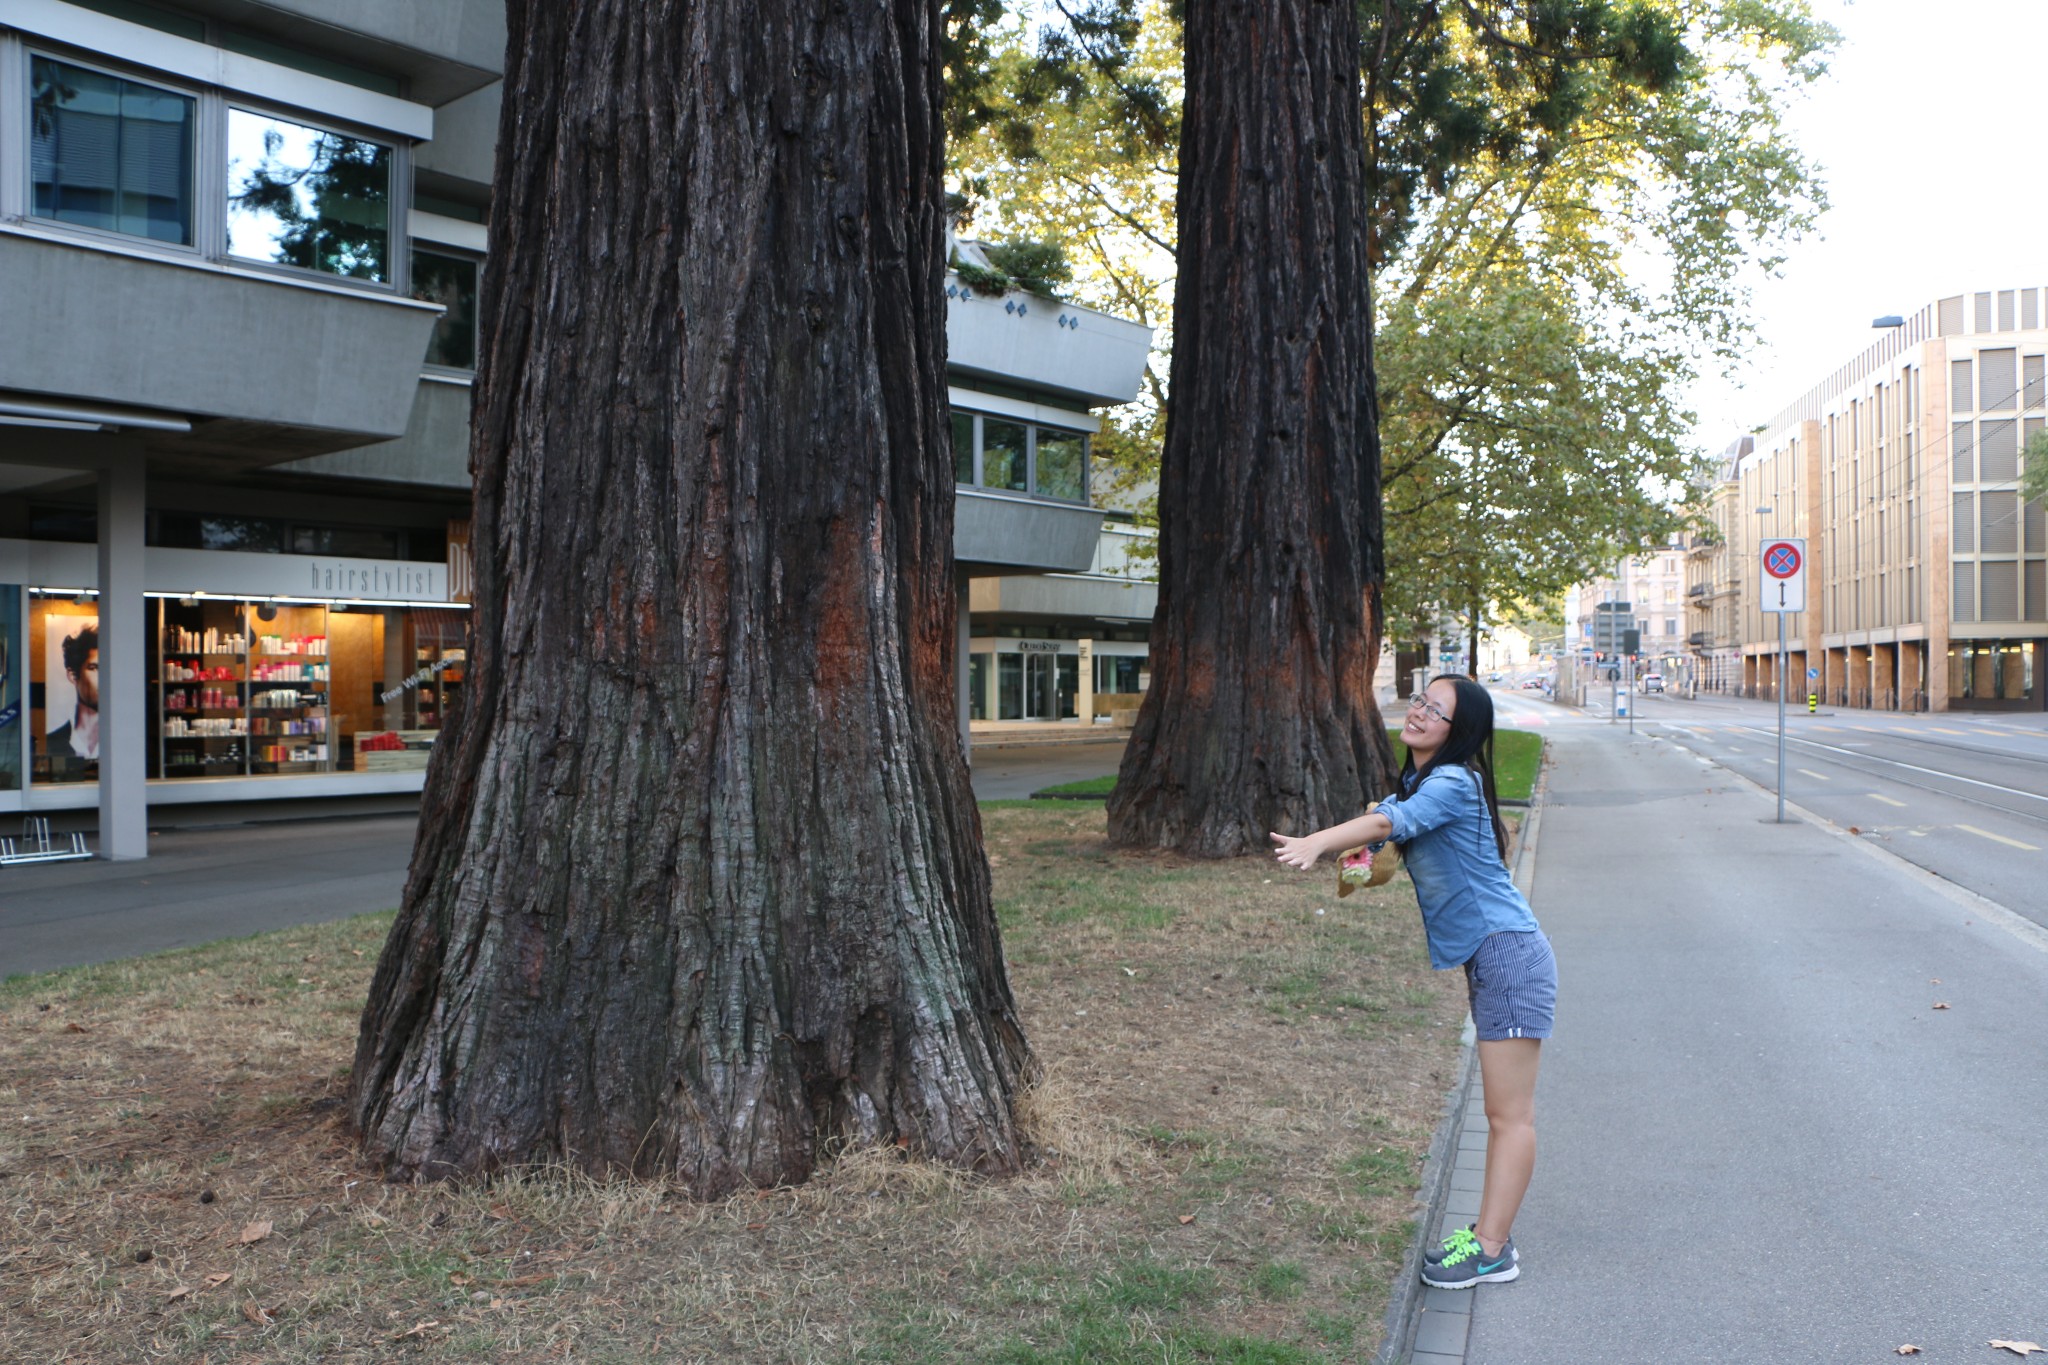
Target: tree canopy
[(1567, 200)]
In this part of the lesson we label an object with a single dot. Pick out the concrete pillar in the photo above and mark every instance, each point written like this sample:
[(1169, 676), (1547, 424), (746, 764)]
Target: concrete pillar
[(1084, 692), (124, 673), (962, 633)]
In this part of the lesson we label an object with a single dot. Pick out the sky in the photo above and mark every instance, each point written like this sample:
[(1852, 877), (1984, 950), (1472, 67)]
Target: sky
[(1931, 130)]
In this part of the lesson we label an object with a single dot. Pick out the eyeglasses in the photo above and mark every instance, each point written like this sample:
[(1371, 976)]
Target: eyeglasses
[(1418, 702)]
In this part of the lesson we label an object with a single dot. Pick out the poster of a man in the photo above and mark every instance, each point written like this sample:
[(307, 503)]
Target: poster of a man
[(71, 681)]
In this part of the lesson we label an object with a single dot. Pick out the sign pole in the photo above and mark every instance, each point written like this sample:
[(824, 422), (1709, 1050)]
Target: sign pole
[(1634, 696), (1781, 713)]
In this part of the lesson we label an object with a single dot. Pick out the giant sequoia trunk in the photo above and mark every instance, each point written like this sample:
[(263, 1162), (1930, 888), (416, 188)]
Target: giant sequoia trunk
[(699, 885), (1260, 713)]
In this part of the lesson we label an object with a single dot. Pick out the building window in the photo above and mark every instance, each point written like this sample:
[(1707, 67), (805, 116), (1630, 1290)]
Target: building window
[(1020, 457), (1062, 465), (1004, 452), (451, 282), (109, 153), (308, 198), (963, 448)]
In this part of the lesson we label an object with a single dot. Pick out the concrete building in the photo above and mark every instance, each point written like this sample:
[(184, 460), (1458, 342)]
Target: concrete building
[(240, 241), (1927, 578)]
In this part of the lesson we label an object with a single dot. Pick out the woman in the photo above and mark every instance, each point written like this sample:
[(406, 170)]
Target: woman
[(1446, 819)]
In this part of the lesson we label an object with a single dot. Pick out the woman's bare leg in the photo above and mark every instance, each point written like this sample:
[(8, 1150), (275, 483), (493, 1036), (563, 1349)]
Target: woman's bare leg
[(1507, 1070)]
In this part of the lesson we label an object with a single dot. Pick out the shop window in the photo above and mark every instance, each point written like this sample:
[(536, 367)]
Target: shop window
[(353, 542), (12, 662), (451, 282), (1009, 687), (109, 153), (63, 686), (191, 531), (977, 686), (307, 197), (76, 525)]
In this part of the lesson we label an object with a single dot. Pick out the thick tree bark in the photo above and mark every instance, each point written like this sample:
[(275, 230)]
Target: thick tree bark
[(1260, 714), (699, 886)]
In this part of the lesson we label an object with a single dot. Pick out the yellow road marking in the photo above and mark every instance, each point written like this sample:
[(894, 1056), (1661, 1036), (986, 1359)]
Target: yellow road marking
[(1999, 838), (1944, 730), (1880, 796)]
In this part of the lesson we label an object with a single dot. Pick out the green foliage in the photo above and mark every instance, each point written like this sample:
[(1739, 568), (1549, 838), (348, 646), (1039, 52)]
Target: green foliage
[(1566, 198), (1035, 266), (2034, 472), (991, 282)]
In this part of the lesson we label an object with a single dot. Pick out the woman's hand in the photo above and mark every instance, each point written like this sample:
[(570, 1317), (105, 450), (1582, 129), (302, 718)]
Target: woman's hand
[(1301, 853)]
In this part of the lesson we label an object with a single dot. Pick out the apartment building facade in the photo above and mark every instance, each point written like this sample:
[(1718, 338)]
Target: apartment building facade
[(1927, 575), (246, 239)]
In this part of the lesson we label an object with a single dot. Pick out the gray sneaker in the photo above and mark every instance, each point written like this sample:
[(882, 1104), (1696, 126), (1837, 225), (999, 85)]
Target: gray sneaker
[(1435, 1255), (1465, 1263)]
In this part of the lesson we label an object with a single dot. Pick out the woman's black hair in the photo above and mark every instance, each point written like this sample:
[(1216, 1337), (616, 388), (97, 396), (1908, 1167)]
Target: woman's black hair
[(1470, 743)]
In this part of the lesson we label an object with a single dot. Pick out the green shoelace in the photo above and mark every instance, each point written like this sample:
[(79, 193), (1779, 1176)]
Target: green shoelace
[(1461, 1246)]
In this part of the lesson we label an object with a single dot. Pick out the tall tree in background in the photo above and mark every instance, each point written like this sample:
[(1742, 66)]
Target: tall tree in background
[(1565, 199), (699, 886), (1260, 713)]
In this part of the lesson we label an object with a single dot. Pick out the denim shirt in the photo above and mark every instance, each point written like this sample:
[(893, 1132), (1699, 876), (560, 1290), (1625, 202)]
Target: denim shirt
[(1446, 839)]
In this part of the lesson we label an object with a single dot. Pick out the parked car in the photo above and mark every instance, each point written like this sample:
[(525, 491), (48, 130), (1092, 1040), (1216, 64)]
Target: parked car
[(1532, 684), (1650, 682)]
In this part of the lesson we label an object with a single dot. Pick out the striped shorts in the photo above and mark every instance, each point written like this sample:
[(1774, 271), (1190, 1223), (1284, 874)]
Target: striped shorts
[(1512, 983)]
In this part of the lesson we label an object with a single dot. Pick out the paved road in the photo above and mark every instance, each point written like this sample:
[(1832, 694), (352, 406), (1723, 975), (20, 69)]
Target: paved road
[(1760, 1141), (1962, 795), (201, 884)]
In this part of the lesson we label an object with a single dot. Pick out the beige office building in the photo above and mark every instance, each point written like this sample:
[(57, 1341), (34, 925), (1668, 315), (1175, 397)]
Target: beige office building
[(1925, 574)]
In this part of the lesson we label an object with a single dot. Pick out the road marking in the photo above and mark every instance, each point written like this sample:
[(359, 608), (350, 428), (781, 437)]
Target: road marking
[(1944, 730), (1880, 796), (1913, 768), (1819, 777), (1823, 727), (1999, 838)]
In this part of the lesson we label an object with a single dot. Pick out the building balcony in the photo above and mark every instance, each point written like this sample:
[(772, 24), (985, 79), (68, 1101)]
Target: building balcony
[(1004, 532), (1022, 339), (263, 369), (1699, 639)]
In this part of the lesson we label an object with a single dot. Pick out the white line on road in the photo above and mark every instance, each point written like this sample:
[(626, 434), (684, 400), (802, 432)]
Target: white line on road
[(1998, 838), (1880, 796), (1909, 767), (1820, 777)]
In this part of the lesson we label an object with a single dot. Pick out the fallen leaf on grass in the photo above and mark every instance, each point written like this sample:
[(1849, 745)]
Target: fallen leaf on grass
[(1186, 1219), (255, 1232), (221, 1278), (74, 1028), (457, 1277), (2018, 1348), (524, 1281), (418, 1329), (255, 1313), (180, 1292)]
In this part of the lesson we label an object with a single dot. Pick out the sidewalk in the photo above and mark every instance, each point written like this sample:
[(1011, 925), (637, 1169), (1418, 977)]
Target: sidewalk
[(1760, 1140), (329, 861)]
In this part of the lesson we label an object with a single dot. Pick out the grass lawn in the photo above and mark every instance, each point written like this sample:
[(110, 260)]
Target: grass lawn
[(1240, 1074), (1516, 755)]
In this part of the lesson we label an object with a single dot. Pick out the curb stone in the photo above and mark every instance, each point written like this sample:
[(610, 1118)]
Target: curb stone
[(1405, 1306)]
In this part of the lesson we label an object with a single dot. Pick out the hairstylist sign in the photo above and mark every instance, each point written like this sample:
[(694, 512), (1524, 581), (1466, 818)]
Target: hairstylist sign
[(233, 573)]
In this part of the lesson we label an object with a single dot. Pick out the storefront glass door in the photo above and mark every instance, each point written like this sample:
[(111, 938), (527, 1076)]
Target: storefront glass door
[(1041, 701)]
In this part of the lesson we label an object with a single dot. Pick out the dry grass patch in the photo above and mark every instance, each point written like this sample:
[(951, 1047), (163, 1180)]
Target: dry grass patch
[(1235, 1095)]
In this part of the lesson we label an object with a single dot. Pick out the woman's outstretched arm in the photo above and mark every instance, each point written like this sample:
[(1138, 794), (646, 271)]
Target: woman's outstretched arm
[(1303, 852)]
